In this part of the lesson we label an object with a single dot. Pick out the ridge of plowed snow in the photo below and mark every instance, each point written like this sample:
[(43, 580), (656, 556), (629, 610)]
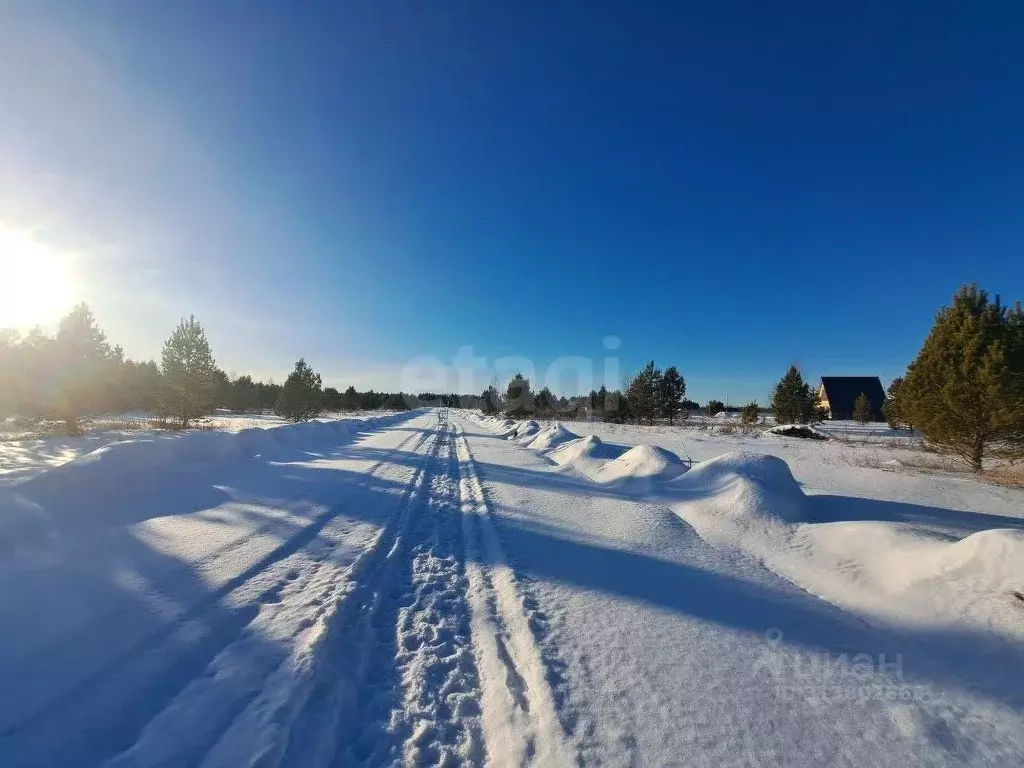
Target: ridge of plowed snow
[(587, 448), (747, 485), (112, 479), (890, 571), (525, 429), (641, 462), (551, 437)]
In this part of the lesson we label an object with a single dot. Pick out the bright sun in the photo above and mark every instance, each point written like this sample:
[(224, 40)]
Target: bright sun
[(35, 280)]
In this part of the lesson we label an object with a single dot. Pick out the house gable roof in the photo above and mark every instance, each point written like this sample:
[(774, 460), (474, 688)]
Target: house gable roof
[(842, 391)]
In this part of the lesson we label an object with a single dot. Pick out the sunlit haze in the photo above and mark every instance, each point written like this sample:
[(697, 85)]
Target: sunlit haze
[(36, 283)]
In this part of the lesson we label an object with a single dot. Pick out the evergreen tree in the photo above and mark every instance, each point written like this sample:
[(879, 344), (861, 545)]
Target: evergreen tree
[(544, 402), (793, 401), (894, 410), (350, 399), (965, 390), (10, 371), (862, 409), (715, 407), (672, 392), (189, 373), (617, 407), (221, 389), (750, 413), (301, 398), (332, 399), (518, 397), (644, 392), (489, 401), (84, 367)]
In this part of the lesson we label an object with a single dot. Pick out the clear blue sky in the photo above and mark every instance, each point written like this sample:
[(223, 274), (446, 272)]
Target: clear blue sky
[(729, 187)]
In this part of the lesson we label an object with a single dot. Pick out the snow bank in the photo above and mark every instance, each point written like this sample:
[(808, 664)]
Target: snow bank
[(893, 572), (552, 437), (747, 485), (589, 448), (525, 429), (598, 461), (642, 462), (108, 484)]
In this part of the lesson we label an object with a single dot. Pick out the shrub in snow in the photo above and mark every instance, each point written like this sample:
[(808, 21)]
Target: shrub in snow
[(750, 414)]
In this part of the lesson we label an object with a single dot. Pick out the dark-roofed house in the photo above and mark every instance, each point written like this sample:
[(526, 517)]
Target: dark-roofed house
[(838, 394)]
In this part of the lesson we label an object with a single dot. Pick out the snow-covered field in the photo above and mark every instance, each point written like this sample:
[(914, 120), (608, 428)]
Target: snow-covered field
[(431, 588), (25, 453)]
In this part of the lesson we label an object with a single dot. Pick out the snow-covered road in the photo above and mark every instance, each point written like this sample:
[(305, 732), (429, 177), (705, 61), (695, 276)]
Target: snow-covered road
[(420, 590)]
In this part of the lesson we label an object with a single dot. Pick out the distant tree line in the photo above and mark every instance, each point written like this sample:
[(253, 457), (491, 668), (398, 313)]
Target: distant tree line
[(650, 394), (77, 374)]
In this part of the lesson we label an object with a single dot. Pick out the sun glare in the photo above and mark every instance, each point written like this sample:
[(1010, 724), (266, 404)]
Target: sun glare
[(35, 281)]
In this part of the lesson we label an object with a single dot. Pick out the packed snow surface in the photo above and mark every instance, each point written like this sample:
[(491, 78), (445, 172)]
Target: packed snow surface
[(417, 590)]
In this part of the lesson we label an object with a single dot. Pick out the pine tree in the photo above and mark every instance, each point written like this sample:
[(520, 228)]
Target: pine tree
[(750, 413), (301, 398), (518, 397), (332, 399), (544, 402), (643, 393), (617, 407), (489, 401), (672, 392), (965, 390), (84, 367), (350, 399), (862, 409), (793, 401), (189, 373), (894, 409), (715, 407)]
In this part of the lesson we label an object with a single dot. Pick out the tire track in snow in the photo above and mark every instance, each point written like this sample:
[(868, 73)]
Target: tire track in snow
[(154, 693), (299, 718), (519, 718), (401, 686), (438, 720), (339, 708)]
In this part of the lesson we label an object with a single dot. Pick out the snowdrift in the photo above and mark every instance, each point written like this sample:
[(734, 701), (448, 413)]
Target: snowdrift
[(109, 485), (549, 438), (525, 429), (589, 448), (590, 457), (746, 485), (888, 571), (642, 462)]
